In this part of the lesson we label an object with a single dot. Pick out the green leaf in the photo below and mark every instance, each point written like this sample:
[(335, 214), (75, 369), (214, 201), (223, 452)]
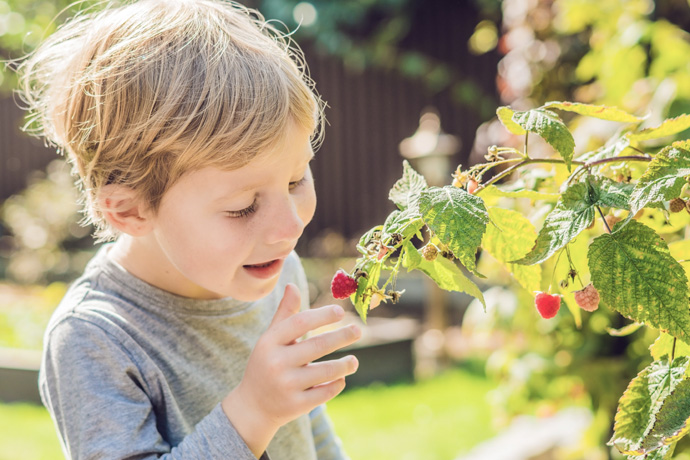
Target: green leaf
[(374, 234), (664, 177), (457, 218), (612, 194), (505, 116), (510, 237), (407, 189), (571, 215), (550, 127), (612, 149), (671, 422), (636, 276), (405, 223), (641, 400), (596, 111), (666, 128), (493, 191), (442, 271), (663, 345), (365, 288)]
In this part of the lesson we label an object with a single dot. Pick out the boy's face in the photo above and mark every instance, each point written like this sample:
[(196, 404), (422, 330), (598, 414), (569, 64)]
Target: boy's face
[(227, 233)]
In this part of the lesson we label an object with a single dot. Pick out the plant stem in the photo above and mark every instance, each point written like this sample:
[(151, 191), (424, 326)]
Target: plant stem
[(524, 150), (604, 219), (572, 265), (527, 161), (673, 351)]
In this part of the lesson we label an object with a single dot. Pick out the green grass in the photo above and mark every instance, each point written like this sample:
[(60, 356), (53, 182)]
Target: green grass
[(436, 419), (27, 433)]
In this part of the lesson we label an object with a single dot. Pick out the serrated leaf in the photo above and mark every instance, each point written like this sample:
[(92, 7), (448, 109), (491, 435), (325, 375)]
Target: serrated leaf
[(407, 189), (641, 400), (365, 286), (442, 271), (671, 422), (457, 218), (612, 194), (405, 223), (505, 116), (510, 237), (550, 128), (596, 111), (663, 345), (680, 250), (664, 177), (636, 276), (367, 238), (493, 191), (568, 218), (666, 128)]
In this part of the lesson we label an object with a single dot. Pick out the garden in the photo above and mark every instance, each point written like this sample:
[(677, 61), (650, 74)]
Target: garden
[(532, 303)]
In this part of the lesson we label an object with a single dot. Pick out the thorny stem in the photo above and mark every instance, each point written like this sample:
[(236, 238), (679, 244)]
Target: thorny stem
[(604, 219), (586, 166)]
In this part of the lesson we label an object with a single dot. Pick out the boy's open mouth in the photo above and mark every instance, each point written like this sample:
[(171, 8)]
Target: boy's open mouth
[(266, 269)]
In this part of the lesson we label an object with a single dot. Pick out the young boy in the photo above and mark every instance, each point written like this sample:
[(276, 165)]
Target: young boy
[(190, 124)]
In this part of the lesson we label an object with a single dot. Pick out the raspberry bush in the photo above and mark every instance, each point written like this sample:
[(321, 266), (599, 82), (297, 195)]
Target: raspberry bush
[(616, 201)]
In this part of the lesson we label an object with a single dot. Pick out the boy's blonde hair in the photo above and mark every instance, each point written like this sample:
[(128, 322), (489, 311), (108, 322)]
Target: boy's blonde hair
[(141, 93)]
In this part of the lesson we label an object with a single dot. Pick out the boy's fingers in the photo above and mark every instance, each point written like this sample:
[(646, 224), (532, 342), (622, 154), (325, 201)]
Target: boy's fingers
[(324, 392), (298, 325), (289, 305), (320, 345), (315, 374)]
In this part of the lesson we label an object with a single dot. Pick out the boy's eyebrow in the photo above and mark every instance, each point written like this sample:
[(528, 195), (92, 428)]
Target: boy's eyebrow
[(250, 187)]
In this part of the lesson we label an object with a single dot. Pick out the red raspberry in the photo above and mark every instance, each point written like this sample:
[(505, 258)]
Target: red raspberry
[(587, 298), (547, 304), (343, 285)]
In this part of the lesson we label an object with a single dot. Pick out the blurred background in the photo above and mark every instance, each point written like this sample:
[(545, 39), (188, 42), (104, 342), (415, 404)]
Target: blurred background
[(440, 378)]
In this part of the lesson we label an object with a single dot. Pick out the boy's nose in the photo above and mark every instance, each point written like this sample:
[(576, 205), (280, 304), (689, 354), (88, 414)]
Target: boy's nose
[(287, 224)]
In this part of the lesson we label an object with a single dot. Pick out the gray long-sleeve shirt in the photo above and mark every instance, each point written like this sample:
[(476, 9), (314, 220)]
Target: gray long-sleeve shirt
[(131, 371)]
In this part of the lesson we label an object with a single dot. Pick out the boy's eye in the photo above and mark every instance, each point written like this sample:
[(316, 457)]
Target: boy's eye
[(243, 212), (296, 184)]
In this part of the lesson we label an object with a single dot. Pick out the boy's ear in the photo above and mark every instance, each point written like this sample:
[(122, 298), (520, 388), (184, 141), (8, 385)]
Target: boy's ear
[(124, 210)]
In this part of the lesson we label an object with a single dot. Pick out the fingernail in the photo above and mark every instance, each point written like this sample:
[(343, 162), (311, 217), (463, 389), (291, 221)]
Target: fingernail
[(338, 310)]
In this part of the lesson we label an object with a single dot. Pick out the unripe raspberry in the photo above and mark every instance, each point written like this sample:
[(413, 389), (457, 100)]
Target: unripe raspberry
[(472, 186), (375, 301), (547, 304), (343, 285), (676, 205), (430, 252), (382, 252), (587, 298)]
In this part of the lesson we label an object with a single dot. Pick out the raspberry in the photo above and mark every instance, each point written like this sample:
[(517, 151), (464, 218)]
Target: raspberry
[(430, 252), (676, 204), (547, 304), (343, 285), (472, 186), (375, 301), (587, 298)]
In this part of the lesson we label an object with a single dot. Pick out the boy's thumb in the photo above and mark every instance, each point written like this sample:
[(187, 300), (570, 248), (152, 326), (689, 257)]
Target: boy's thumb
[(289, 305)]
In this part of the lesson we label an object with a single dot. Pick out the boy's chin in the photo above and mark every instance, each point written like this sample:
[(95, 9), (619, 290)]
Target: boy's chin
[(250, 293)]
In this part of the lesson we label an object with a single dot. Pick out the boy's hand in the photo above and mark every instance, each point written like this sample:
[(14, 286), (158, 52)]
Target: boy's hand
[(281, 382)]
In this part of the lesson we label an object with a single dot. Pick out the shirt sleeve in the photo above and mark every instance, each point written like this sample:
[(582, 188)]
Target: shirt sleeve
[(100, 403), (326, 443)]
